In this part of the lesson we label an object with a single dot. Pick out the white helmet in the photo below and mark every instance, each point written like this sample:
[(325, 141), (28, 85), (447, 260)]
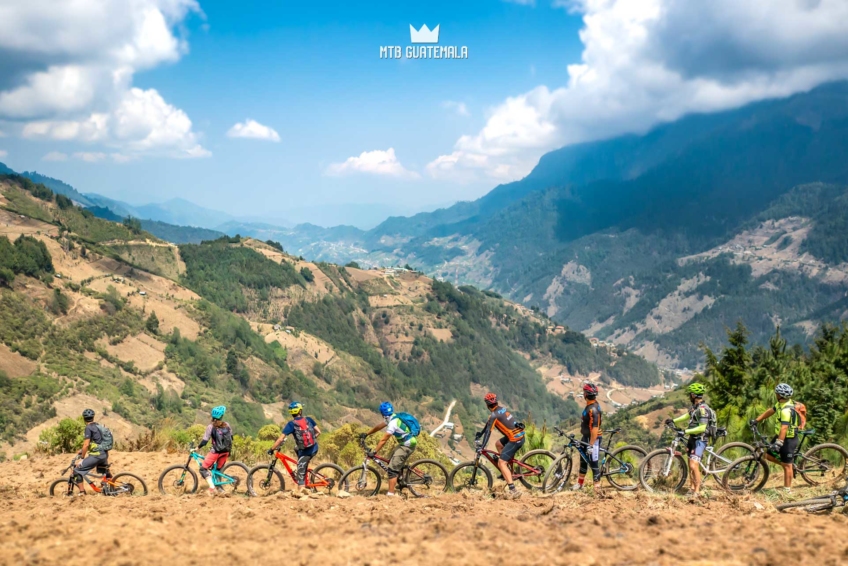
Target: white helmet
[(783, 390)]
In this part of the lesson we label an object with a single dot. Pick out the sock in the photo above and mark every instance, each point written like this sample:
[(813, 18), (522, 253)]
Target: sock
[(211, 482), (512, 487), (581, 480)]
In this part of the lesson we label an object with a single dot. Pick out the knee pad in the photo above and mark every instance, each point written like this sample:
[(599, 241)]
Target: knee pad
[(204, 473)]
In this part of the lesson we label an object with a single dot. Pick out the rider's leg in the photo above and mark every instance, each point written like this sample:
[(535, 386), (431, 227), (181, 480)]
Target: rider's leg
[(84, 467), (584, 467), (397, 461), (303, 458), (210, 460), (696, 451), (787, 458), (508, 453)]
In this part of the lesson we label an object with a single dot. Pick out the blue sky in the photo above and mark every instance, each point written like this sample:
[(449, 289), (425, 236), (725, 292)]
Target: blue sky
[(312, 73), (139, 101)]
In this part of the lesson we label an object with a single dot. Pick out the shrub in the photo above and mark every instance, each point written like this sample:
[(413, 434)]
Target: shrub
[(152, 324), (307, 274), (269, 432), (64, 438)]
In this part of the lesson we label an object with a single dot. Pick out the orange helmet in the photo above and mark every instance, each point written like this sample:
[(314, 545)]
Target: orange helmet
[(491, 399)]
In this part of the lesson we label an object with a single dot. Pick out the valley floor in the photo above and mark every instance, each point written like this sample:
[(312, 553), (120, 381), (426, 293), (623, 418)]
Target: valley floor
[(616, 528)]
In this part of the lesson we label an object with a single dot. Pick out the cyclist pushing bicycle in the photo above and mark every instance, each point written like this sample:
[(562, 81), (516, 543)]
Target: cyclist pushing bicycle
[(406, 439), (698, 416), (509, 444), (221, 435), (305, 432), (590, 431), (782, 450)]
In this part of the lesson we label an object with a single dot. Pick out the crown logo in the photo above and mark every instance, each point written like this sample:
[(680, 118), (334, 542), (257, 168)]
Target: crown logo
[(424, 35)]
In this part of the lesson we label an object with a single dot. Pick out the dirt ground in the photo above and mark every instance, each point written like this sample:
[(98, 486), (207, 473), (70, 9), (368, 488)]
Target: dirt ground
[(611, 528)]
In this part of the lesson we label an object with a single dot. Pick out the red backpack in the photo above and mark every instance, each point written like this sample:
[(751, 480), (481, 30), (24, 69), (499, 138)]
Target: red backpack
[(304, 433)]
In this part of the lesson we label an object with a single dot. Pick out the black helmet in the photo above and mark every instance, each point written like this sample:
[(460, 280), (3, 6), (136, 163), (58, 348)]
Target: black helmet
[(88, 415)]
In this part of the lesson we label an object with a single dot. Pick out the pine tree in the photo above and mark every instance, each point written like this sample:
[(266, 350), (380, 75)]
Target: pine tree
[(152, 324)]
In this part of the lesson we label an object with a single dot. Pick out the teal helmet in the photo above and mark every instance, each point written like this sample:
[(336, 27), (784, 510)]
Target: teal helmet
[(218, 412)]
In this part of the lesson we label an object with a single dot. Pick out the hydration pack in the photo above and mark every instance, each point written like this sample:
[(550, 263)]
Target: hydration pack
[(304, 433), (222, 439), (411, 423), (107, 441), (712, 423)]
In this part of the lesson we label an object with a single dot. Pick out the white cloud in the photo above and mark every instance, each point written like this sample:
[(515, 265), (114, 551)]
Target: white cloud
[(459, 107), (68, 69), (253, 130), (3, 153), (90, 156), (649, 61), (55, 156), (375, 162)]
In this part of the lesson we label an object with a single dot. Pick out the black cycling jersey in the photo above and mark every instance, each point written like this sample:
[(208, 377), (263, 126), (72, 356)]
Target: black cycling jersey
[(591, 418)]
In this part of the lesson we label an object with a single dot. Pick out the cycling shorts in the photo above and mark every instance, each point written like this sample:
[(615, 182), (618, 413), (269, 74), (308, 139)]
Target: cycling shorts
[(696, 448), (510, 448), (787, 451)]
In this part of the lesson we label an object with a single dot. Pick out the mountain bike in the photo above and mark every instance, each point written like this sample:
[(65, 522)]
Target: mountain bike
[(619, 467), (181, 479), (819, 504), (666, 471), (530, 470), (820, 465), (422, 478), (264, 479), (123, 484)]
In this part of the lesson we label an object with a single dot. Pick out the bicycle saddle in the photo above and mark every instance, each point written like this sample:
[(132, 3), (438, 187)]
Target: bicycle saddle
[(807, 432), (613, 431), (721, 432)]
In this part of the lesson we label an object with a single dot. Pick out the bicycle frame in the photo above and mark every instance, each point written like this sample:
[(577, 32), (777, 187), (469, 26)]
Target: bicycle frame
[(383, 463), (573, 444), (218, 478), (287, 461), (109, 486)]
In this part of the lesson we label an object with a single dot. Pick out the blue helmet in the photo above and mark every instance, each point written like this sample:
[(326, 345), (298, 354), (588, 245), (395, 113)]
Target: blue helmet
[(218, 412), (386, 409)]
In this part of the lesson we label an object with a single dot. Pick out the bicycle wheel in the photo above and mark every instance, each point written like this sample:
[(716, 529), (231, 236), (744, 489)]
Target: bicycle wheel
[(469, 476), (238, 472), (812, 505), (262, 481), (747, 473), (127, 484), (361, 481), (427, 477), (329, 473), (177, 480), (59, 488), (541, 460), (823, 464), (556, 478), (661, 472), (726, 454), (621, 467)]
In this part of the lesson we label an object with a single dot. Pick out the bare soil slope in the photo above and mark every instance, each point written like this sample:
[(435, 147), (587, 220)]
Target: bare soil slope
[(616, 528)]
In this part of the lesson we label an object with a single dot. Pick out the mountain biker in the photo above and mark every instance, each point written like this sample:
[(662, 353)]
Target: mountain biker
[(509, 444), (406, 443), (698, 417), (785, 440), (90, 454), (590, 432), (305, 432), (221, 435)]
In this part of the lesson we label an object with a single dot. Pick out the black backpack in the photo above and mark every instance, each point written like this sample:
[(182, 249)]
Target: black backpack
[(304, 433), (222, 439)]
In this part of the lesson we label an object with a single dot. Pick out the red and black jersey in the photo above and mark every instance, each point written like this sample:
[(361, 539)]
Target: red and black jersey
[(591, 418)]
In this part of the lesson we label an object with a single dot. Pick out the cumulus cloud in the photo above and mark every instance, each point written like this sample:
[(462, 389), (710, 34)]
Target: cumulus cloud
[(3, 153), (66, 71), (90, 156), (55, 156), (375, 162), (458, 107), (252, 129), (649, 61)]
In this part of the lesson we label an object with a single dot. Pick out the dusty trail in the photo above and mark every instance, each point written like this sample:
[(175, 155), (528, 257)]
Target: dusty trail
[(617, 528)]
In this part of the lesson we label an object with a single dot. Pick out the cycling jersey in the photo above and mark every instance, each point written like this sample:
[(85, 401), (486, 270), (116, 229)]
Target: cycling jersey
[(786, 415), (591, 419), (400, 431), (502, 420), (699, 419)]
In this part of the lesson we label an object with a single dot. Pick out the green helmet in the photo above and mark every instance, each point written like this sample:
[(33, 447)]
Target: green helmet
[(697, 389)]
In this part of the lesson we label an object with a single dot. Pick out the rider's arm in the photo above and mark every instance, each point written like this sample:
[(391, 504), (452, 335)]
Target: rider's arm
[(315, 426), (703, 421), (206, 436), (594, 429), (382, 442), (279, 441), (84, 448), (681, 418), (769, 412), (487, 429)]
